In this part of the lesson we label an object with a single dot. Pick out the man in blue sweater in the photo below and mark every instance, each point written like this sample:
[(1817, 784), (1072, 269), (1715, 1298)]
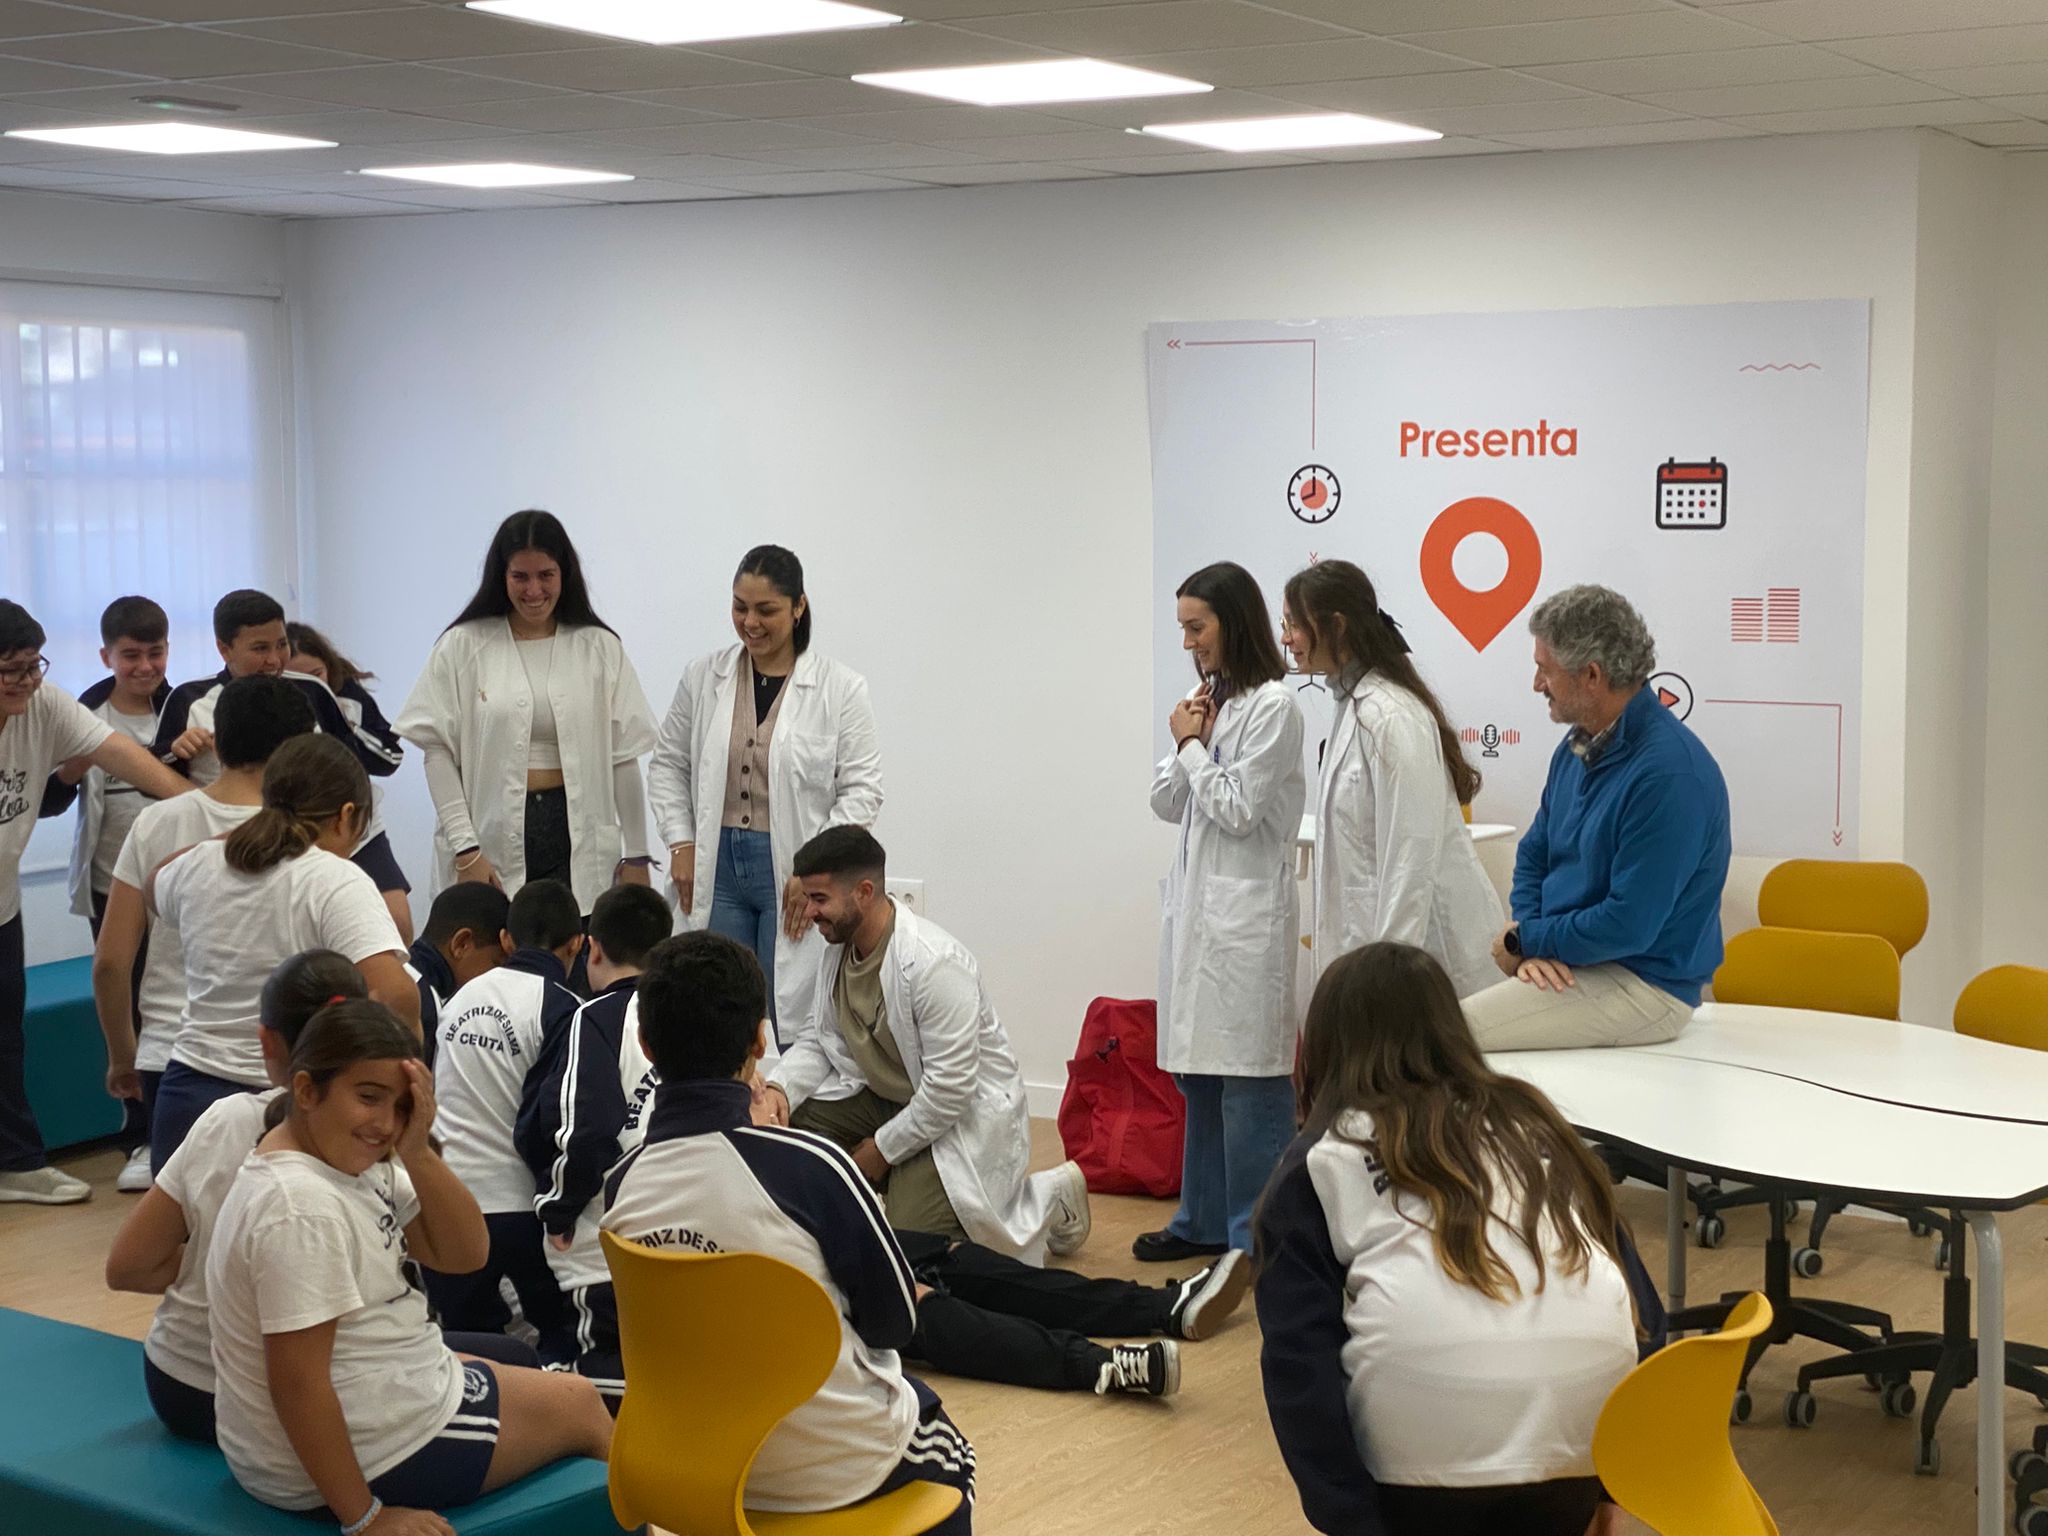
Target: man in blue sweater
[(1617, 897)]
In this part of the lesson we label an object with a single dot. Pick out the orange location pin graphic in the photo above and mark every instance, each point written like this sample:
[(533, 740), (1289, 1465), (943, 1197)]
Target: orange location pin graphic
[(1481, 616)]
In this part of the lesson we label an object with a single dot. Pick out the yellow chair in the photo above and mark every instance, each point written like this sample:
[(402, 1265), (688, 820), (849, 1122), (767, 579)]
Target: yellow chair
[(1802, 968), (1661, 1446), (1847, 896), (702, 1394), (2009, 1004)]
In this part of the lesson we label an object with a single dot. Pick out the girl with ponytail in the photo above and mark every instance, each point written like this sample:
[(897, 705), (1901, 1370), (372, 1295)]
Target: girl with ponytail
[(279, 883), (1393, 860), (335, 1388), (1447, 1290)]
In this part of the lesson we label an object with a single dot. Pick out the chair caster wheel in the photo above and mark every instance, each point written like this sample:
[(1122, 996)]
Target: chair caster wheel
[(1710, 1231), (1898, 1400), (2031, 1521), (1941, 1254), (1800, 1408), (2024, 1461), (1740, 1411), (1788, 1211), (1927, 1460), (1807, 1262), (1917, 1227)]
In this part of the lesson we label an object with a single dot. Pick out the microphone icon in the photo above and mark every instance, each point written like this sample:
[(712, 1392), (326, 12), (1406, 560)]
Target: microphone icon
[(1490, 740)]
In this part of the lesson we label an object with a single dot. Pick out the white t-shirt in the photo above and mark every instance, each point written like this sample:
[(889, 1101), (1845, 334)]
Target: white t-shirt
[(236, 929), (164, 828), (56, 728), (120, 801), (297, 1244), (1449, 1388), (490, 1038), (199, 1176)]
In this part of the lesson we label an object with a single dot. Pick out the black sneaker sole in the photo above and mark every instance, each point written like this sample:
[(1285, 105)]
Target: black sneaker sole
[(1165, 1248)]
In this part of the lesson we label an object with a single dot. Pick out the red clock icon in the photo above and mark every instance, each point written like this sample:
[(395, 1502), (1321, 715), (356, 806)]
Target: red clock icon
[(1313, 494)]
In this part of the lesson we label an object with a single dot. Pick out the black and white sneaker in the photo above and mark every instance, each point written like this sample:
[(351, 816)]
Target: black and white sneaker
[(1208, 1296), (1140, 1370)]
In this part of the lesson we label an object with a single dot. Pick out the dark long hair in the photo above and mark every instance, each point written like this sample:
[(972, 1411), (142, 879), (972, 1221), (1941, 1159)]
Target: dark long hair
[(1386, 1036), (1251, 655), (531, 530), (335, 1039), (306, 782), (784, 572), (301, 986), (1334, 600), (306, 640)]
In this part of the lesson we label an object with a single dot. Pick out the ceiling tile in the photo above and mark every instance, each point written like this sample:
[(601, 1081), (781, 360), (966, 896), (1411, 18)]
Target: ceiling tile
[(1088, 144), (46, 176), (1610, 37), (813, 183), (867, 49), (1682, 71), (1677, 131), (177, 53), (402, 87), (1915, 53), (1448, 148), (103, 101), (417, 32), (28, 18), (1176, 25), (478, 199), (1174, 109), (1802, 96), (1532, 116), (304, 206), (2021, 106), (933, 124), (1466, 88), (1199, 161), (578, 112), (993, 175), (1821, 20), (768, 98), (550, 149), (1921, 114), (2013, 133), (953, 10), (617, 69), (18, 75), (156, 188), (684, 168), (729, 138), (364, 127), (225, 10), (1992, 79), (1387, 17), (1270, 64), (862, 156), (668, 192)]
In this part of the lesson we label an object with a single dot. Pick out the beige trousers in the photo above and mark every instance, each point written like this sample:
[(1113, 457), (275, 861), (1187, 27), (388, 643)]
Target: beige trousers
[(914, 1199), (1608, 1005)]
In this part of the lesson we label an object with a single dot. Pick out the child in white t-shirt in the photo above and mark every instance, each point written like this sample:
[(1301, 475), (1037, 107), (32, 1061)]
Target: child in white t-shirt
[(279, 883), (333, 1387), (161, 1248)]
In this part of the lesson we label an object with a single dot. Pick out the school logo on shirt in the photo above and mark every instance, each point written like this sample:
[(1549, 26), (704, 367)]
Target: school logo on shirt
[(475, 1385), (1376, 1167), (13, 794), (387, 1218), (679, 1237), (642, 1091), (486, 1028)]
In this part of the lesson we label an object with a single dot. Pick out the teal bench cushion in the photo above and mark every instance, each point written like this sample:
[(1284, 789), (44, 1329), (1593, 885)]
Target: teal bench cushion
[(81, 1454), (67, 1056)]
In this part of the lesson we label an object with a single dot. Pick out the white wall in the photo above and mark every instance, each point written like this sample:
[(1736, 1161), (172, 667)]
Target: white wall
[(74, 240), (938, 399)]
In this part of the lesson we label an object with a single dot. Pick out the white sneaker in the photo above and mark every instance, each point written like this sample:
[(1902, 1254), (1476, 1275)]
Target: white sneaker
[(1071, 1220), (43, 1186), (135, 1177)]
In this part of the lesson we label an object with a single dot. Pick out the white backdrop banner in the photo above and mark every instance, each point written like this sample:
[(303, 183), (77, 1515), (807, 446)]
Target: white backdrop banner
[(1707, 462)]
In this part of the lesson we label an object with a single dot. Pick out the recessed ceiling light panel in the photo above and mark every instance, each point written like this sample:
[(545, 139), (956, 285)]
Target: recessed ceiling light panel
[(1314, 130), (689, 21), (162, 138), (1035, 81), (494, 173)]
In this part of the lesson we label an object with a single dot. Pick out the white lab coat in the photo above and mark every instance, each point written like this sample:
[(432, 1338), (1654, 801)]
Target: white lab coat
[(1393, 857), (824, 770), (1231, 919), (967, 1102), (474, 700)]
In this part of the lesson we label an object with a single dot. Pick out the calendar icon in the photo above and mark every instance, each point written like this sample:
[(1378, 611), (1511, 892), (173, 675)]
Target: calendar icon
[(1692, 495)]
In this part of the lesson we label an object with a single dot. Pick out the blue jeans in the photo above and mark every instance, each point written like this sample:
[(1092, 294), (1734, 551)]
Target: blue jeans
[(1237, 1128), (746, 903), (183, 1094)]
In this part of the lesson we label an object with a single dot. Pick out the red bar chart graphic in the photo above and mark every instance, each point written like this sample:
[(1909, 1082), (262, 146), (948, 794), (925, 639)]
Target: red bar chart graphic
[(1771, 619)]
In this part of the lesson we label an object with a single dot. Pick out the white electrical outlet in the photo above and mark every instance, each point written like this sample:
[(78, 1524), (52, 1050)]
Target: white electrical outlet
[(908, 894)]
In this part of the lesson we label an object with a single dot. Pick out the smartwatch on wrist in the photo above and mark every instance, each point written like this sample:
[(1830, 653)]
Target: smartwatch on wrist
[(1511, 941)]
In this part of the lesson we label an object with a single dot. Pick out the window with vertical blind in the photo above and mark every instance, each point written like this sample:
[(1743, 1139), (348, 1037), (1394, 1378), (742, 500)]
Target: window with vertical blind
[(141, 440)]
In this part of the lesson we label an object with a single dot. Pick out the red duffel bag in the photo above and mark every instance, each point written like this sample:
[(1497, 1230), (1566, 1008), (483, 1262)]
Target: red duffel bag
[(1121, 1118)]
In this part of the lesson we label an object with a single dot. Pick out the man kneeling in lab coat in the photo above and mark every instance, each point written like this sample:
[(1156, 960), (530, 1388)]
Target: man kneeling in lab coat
[(904, 1063)]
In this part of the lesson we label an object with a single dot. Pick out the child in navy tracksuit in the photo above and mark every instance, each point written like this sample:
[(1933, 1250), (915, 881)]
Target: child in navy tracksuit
[(496, 1037), (464, 937), (708, 1179)]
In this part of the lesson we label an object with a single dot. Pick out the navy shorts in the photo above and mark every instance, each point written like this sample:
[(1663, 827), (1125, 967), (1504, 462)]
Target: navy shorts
[(937, 1453), (450, 1468), (376, 860), (185, 1411)]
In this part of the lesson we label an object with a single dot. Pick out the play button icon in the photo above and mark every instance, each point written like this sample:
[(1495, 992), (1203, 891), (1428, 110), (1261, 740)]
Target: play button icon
[(1673, 692)]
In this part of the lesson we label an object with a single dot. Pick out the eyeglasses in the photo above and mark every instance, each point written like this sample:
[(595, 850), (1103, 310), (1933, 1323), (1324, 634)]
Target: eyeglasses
[(28, 672)]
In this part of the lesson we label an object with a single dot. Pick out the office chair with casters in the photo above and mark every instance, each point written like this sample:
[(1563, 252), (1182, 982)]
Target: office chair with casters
[(1661, 1444), (702, 1395)]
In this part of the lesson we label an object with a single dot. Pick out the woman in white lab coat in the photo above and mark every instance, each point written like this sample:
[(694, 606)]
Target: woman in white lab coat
[(1235, 784), (532, 724), (1393, 858), (765, 745)]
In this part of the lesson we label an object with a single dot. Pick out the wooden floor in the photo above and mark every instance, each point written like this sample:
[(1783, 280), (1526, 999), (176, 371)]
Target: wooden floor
[(1075, 1465)]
